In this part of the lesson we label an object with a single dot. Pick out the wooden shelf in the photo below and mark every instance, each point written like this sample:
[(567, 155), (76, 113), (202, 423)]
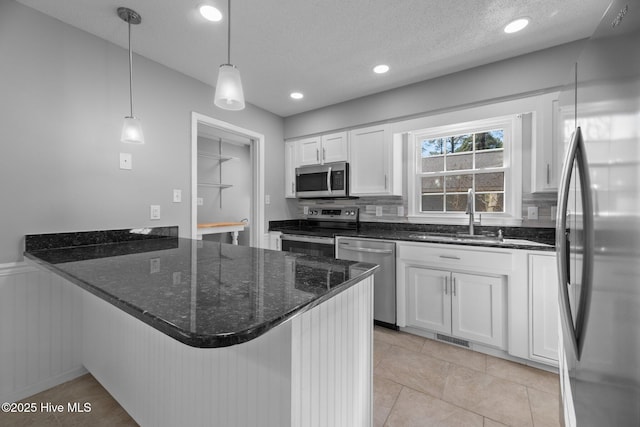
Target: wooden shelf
[(212, 185), (215, 156)]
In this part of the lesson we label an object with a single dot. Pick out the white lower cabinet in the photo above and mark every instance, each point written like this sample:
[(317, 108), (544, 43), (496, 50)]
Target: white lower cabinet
[(462, 305), (543, 291), (453, 301)]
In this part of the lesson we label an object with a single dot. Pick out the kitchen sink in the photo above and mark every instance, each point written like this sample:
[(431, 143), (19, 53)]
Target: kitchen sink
[(457, 237)]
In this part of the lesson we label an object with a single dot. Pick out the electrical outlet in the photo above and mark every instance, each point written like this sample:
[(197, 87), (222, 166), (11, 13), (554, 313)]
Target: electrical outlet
[(200, 201), (532, 212), (400, 210), (378, 210), (305, 210), (126, 161), (154, 265), (154, 212), (267, 199), (177, 278), (554, 211), (177, 196)]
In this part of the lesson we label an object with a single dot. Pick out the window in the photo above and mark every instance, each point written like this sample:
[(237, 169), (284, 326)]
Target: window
[(451, 160)]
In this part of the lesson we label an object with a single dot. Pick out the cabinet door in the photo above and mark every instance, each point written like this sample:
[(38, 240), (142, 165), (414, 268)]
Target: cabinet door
[(546, 148), (308, 151), (370, 157), (335, 147), (290, 165), (477, 308), (543, 288), (428, 298)]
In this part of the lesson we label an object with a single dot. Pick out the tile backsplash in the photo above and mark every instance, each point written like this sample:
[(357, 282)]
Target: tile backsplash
[(395, 208)]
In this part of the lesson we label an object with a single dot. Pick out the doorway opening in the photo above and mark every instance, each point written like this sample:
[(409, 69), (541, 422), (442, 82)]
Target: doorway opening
[(227, 180)]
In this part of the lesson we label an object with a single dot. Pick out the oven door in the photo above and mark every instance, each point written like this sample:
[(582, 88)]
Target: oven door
[(310, 245)]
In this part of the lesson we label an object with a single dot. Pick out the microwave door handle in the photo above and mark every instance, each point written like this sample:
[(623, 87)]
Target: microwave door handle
[(329, 180)]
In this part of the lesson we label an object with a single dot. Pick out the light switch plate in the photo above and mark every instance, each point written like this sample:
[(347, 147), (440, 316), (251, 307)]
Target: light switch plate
[(154, 265), (400, 210), (200, 201), (378, 210), (154, 212), (532, 212), (126, 161), (267, 199), (177, 196)]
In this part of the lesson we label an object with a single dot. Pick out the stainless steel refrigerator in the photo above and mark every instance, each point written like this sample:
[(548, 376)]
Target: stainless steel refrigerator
[(598, 227)]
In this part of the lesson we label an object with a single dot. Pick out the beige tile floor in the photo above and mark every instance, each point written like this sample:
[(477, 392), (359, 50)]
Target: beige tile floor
[(417, 382)]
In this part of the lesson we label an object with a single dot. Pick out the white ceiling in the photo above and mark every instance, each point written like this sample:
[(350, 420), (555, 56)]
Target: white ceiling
[(327, 48)]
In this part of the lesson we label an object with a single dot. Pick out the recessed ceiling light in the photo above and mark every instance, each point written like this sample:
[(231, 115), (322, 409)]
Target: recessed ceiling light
[(210, 13), (381, 69), (296, 95), (516, 25)]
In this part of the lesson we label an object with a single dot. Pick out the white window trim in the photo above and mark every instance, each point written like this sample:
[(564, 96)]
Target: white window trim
[(513, 173)]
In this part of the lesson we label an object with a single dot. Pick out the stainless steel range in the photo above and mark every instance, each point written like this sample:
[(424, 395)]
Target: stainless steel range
[(315, 234), (318, 234)]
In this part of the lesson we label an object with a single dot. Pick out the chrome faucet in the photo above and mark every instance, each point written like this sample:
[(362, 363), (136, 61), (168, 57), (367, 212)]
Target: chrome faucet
[(469, 211)]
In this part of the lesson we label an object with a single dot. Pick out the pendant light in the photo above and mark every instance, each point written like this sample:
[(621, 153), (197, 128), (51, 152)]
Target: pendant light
[(229, 94), (132, 128)]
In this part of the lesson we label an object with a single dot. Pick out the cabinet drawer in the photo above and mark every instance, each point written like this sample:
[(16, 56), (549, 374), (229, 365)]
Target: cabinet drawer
[(456, 256)]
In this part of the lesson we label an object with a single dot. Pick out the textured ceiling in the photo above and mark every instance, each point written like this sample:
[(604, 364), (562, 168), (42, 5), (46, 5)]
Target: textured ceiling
[(327, 48)]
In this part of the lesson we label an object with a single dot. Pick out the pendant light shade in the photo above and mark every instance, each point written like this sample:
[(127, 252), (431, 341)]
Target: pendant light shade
[(132, 128), (132, 131), (229, 94)]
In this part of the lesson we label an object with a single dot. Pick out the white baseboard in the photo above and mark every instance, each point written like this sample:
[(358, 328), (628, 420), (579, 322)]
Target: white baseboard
[(46, 384)]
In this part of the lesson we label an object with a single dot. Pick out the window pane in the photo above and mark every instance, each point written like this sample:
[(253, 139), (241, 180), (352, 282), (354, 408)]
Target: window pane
[(432, 184), (489, 182), (490, 140), (459, 161), (456, 202), (433, 147), (459, 183), (433, 164), (489, 159), (490, 202), (432, 203), (460, 144)]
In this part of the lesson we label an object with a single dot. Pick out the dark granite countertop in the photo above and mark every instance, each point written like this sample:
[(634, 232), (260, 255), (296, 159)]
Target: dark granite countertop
[(538, 239), (202, 293)]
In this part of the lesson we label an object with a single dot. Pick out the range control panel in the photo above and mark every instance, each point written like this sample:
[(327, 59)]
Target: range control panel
[(349, 213)]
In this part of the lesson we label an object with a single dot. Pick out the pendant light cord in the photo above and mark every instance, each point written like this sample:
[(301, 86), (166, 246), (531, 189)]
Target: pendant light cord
[(130, 69), (229, 32)]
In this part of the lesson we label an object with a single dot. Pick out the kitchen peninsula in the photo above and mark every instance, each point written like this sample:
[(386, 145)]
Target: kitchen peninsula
[(190, 332)]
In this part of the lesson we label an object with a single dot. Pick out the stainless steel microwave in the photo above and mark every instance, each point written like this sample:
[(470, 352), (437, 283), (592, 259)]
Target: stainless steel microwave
[(328, 180)]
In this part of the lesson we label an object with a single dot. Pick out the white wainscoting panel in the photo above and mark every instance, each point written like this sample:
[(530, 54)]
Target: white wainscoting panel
[(40, 320), (313, 370)]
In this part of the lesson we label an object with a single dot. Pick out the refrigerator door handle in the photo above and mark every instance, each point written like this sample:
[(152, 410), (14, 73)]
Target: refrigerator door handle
[(575, 153)]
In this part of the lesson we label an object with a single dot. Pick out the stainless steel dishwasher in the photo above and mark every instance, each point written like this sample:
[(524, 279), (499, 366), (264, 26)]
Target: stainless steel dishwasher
[(379, 252)]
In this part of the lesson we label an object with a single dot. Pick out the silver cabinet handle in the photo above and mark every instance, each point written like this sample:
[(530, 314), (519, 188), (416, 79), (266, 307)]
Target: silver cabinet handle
[(293, 190), (385, 181), (446, 285), (449, 257), (348, 247), (548, 173), (453, 288), (324, 154), (317, 155), (575, 154)]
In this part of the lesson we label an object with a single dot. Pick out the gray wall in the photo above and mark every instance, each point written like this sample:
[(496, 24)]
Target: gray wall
[(64, 96), (511, 78)]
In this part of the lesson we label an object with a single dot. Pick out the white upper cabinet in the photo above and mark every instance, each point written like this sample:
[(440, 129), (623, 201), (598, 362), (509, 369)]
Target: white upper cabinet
[(290, 165), (318, 150), (546, 149), (335, 147), (308, 151), (375, 158)]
